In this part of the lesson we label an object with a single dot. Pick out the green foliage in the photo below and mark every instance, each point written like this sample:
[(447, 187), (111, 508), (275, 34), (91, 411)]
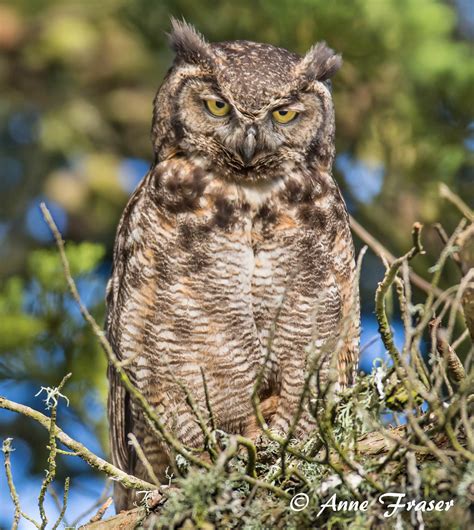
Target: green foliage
[(42, 336), (45, 265), (401, 97), (19, 330), (21, 326)]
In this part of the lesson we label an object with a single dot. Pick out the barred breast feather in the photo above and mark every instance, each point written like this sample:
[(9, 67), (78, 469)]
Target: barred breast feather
[(208, 278)]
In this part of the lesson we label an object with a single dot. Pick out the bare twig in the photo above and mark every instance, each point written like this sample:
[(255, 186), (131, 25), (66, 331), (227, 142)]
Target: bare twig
[(19, 513), (464, 335), (64, 507), (143, 459), (208, 439), (251, 454), (98, 516), (466, 283), (100, 501), (444, 238), (384, 286), (446, 193), (381, 251), (208, 400), (7, 449), (438, 268)]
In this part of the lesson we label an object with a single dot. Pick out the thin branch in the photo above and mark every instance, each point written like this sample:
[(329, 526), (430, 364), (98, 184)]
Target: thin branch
[(103, 497), (100, 513), (445, 238), (464, 335), (446, 193), (7, 449), (251, 454), (382, 289), (143, 459), (381, 251), (466, 283), (93, 460), (208, 443), (64, 508), (438, 269), (208, 400)]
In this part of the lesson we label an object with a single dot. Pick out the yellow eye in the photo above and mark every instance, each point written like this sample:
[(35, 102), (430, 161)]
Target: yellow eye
[(217, 107), (284, 116)]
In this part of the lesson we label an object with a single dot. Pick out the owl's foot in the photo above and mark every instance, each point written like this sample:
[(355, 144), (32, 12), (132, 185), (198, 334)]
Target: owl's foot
[(268, 408)]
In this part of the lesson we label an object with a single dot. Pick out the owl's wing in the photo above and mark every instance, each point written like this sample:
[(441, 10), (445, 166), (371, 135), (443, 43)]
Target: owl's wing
[(118, 404), (118, 408), (120, 420)]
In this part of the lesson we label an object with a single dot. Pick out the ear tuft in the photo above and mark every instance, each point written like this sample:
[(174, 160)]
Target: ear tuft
[(320, 63), (187, 42)]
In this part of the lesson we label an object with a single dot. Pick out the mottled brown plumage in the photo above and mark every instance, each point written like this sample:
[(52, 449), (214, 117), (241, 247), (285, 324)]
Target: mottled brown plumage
[(236, 243)]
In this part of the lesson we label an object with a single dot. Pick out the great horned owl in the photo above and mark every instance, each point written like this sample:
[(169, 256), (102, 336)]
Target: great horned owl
[(235, 244)]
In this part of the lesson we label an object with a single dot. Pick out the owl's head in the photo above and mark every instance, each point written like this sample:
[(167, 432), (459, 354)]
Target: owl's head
[(248, 110)]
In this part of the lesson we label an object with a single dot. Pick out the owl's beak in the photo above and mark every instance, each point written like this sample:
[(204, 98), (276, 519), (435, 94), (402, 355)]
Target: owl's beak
[(247, 149)]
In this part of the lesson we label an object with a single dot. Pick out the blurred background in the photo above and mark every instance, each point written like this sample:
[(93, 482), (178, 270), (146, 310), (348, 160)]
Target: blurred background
[(77, 81)]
